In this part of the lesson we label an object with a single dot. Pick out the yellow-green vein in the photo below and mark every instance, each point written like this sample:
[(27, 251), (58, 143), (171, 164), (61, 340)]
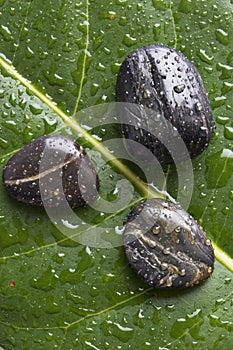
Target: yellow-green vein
[(223, 258), (21, 30), (173, 24), (84, 60)]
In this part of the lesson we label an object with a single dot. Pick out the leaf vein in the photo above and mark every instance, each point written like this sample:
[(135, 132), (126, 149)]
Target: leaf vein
[(84, 60), (173, 24)]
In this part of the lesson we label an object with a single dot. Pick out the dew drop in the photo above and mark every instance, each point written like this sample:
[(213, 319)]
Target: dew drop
[(222, 36), (156, 31), (100, 67), (204, 57), (94, 89), (222, 120), (227, 86), (164, 266), (182, 272), (226, 70), (156, 230), (179, 88), (4, 143), (198, 106), (231, 194), (169, 281), (225, 210), (128, 40), (166, 251), (208, 242), (228, 132), (35, 108)]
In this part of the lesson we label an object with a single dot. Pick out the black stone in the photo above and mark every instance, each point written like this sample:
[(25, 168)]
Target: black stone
[(165, 245), (170, 90), (66, 166)]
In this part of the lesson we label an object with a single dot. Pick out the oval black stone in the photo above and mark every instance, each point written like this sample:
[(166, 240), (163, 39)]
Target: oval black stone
[(165, 245), (66, 166), (165, 82)]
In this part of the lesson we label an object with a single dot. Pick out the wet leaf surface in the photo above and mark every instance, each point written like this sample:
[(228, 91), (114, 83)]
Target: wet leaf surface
[(56, 293)]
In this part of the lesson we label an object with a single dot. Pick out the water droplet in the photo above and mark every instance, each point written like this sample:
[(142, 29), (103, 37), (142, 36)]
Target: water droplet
[(123, 21), (179, 88), (52, 76), (35, 108), (202, 195), (100, 67), (11, 125), (219, 168), (164, 266), (227, 86), (29, 52), (4, 143), (50, 123), (169, 281), (227, 280), (157, 31), (13, 99), (182, 272), (202, 24), (198, 106), (119, 330), (156, 229), (58, 257), (106, 50), (222, 120), (2, 93), (6, 33), (225, 210), (94, 89), (228, 132), (204, 57), (166, 251), (218, 101), (51, 306), (128, 40), (46, 281), (94, 291), (231, 194), (208, 242), (222, 36), (226, 70), (121, 2), (66, 47)]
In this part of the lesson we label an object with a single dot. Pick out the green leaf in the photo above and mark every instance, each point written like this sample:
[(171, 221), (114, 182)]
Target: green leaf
[(57, 58)]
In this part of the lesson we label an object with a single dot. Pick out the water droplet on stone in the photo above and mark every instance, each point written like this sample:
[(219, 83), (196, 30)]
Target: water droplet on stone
[(179, 88), (166, 251), (156, 230)]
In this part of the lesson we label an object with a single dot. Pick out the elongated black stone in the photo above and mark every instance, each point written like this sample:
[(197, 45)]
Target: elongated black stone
[(163, 81), (66, 168)]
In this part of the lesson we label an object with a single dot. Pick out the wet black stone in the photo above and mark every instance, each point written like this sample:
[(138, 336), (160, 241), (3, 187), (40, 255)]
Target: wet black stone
[(165, 245), (66, 166), (169, 88)]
